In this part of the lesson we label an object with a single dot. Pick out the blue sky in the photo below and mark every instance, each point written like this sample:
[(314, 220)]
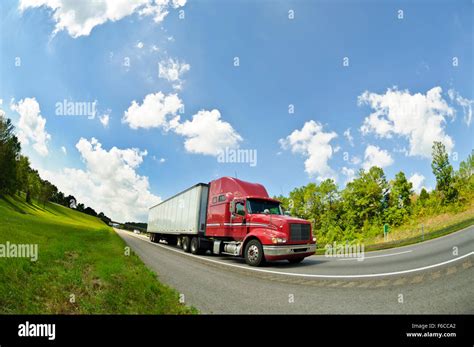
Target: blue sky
[(283, 61)]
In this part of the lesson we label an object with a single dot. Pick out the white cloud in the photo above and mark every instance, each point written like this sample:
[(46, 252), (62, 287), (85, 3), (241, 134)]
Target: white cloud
[(32, 126), (355, 160), (349, 173), (348, 136), (314, 144), (104, 120), (171, 70), (418, 117), (465, 103), (207, 133), (109, 182), (162, 160), (374, 156), (64, 150), (140, 45), (417, 180), (78, 18), (156, 111)]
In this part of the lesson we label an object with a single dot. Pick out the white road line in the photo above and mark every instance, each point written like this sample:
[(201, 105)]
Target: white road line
[(308, 275), (377, 256)]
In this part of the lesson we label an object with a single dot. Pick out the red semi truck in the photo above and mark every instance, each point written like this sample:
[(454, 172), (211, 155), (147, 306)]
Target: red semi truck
[(233, 217)]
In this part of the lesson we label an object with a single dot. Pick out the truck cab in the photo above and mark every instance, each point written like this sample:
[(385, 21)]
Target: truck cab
[(243, 220)]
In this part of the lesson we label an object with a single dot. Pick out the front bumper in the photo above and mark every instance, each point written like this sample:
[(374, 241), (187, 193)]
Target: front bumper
[(289, 251)]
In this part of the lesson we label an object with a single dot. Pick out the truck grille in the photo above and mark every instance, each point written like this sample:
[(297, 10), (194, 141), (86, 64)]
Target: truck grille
[(300, 232)]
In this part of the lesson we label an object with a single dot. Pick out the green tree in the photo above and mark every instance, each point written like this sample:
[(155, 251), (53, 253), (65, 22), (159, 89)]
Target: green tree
[(443, 172), (465, 176), (33, 188), (22, 171), (80, 207), (47, 191), (9, 153), (298, 204), (400, 200), (401, 191), (424, 195), (365, 198)]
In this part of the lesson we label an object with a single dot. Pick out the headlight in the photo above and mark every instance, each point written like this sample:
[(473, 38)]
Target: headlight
[(278, 240), (314, 239)]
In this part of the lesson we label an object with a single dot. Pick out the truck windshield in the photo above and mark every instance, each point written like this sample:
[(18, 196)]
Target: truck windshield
[(259, 206)]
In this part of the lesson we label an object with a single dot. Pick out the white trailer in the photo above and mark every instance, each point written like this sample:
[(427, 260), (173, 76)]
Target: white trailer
[(181, 215)]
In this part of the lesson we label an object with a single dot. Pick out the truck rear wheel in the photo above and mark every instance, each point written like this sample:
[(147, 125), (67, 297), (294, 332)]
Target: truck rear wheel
[(185, 244), (254, 253), (195, 246)]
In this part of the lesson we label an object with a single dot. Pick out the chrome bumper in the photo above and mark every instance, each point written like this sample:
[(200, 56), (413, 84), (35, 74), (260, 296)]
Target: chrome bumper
[(273, 251)]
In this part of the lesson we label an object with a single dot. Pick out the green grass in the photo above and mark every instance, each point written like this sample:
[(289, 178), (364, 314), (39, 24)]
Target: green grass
[(77, 255), (410, 233)]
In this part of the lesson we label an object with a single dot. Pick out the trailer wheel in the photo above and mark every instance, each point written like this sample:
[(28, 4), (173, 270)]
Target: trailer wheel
[(185, 244), (254, 253), (195, 246)]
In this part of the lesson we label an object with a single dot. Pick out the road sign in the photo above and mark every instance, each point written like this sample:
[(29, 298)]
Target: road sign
[(385, 230)]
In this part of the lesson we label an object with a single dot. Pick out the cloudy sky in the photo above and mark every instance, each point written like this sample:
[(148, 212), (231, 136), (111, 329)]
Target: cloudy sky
[(124, 103)]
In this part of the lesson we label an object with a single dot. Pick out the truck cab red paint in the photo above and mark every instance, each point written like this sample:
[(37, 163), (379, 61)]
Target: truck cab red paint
[(228, 196)]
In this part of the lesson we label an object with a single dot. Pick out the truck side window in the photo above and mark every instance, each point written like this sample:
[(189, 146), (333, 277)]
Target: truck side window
[(240, 209), (221, 198), (214, 199)]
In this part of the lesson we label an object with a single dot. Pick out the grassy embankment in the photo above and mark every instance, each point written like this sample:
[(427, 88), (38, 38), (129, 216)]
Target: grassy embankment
[(411, 232), (80, 256)]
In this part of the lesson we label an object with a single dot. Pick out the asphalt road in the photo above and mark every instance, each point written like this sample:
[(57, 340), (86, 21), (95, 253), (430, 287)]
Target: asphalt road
[(435, 276)]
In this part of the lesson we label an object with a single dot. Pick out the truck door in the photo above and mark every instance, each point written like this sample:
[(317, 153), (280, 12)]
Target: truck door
[(238, 217)]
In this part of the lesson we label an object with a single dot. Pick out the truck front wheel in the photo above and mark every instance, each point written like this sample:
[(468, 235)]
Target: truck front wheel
[(185, 244), (254, 253)]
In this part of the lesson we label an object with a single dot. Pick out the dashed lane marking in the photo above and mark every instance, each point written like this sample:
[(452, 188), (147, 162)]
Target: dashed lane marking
[(378, 256)]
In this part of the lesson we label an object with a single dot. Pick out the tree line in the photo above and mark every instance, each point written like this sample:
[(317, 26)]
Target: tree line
[(369, 201), (17, 175)]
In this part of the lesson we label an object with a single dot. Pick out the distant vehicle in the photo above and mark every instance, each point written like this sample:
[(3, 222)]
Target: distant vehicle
[(233, 217), (136, 231)]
